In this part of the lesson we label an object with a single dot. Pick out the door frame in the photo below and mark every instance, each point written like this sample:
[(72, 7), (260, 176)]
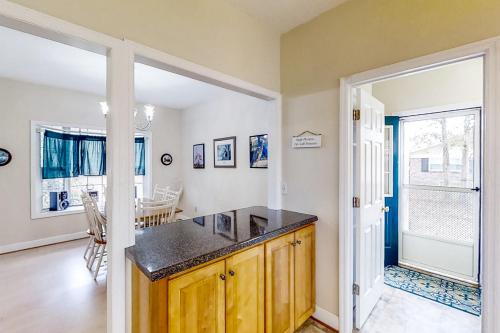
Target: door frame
[(491, 215)]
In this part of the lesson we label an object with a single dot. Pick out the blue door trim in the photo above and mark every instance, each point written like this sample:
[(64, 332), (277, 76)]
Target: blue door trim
[(391, 217)]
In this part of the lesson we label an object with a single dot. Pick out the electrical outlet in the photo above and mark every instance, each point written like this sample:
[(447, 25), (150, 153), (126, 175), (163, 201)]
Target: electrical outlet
[(284, 188)]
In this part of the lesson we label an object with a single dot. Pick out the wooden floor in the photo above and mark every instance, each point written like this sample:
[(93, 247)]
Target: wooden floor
[(49, 290)]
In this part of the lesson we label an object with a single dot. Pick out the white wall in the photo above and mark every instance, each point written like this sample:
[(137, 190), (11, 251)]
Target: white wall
[(212, 189), (312, 178), (449, 85), (22, 102)]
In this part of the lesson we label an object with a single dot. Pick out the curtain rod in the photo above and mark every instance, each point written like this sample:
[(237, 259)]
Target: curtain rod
[(41, 128)]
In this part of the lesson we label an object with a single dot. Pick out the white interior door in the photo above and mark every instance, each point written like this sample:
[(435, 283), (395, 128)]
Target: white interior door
[(369, 216)]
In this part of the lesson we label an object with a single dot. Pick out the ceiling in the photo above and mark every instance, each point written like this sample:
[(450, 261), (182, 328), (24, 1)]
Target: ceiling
[(285, 14), (28, 58)]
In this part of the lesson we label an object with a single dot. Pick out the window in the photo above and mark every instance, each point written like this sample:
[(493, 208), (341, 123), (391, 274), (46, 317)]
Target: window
[(388, 160), (73, 159), (424, 164)]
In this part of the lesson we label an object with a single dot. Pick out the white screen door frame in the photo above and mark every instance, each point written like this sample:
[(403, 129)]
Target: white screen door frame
[(455, 258)]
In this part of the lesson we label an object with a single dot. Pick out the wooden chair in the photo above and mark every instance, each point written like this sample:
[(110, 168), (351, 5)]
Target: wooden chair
[(153, 213), (159, 193), (97, 223), (175, 197), (85, 200)]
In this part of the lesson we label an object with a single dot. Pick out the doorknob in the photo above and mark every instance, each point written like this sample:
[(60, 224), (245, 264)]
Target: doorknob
[(222, 277), (231, 272), (385, 209)]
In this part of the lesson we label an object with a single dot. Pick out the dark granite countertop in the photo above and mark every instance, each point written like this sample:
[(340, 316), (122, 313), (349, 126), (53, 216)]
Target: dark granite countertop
[(172, 248)]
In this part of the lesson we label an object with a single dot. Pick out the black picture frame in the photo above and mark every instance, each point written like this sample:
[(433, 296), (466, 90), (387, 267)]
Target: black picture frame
[(166, 159), (232, 161), (202, 164), (266, 143), (5, 157)]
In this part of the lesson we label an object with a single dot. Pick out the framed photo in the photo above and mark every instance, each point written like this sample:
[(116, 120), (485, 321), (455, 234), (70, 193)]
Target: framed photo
[(258, 151), (5, 157), (199, 156), (225, 225), (225, 152)]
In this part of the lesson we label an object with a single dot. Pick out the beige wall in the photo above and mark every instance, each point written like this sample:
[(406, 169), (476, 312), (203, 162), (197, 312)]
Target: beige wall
[(445, 86), (212, 33), (22, 102), (354, 37), (213, 190)]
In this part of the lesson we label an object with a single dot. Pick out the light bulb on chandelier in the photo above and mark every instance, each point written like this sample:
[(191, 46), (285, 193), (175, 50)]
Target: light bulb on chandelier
[(149, 111)]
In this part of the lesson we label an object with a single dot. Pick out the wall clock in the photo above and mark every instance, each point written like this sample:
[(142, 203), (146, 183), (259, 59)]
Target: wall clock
[(166, 159), (5, 157)]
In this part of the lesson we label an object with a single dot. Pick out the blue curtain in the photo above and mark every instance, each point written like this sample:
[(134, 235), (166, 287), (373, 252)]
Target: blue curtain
[(60, 155), (140, 156), (92, 155), (68, 155)]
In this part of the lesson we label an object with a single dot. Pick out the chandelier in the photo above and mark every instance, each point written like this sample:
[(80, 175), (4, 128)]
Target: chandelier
[(143, 122)]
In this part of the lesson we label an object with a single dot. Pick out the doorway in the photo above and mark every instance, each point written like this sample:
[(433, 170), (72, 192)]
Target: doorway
[(430, 216)]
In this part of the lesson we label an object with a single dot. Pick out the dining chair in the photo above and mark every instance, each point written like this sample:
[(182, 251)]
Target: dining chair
[(159, 193), (85, 201), (175, 196), (153, 213), (97, 223)]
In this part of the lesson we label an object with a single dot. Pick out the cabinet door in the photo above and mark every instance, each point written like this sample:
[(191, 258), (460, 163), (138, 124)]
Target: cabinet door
[(279, 285), (245, 292), (196, 301), (304, 275)]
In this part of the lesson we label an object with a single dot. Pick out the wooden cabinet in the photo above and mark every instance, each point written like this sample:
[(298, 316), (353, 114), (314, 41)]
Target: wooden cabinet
[(304, 275), (290, 274), (245, 292), (196, 301), (279, 285), (267, 288)]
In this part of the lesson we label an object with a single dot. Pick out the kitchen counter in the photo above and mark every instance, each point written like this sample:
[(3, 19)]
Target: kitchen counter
[(172, 248)]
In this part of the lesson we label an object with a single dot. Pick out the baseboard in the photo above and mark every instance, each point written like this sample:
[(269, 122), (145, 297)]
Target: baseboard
[(326, 317), (41, 242)]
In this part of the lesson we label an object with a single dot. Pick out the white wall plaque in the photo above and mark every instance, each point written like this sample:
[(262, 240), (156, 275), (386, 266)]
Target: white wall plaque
[(312, 140)]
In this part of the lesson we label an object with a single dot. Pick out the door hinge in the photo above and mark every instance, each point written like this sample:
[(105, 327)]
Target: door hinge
[(355, 289), (356, 202), (356, 114)]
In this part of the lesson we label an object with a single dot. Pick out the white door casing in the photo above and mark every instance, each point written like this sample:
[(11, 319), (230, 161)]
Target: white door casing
[(369, 217)]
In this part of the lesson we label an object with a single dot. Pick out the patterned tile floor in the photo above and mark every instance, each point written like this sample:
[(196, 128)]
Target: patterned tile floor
[(399, 311), (455, 295)]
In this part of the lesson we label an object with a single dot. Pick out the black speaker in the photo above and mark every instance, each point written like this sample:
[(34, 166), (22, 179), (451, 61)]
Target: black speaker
[(58, 201)]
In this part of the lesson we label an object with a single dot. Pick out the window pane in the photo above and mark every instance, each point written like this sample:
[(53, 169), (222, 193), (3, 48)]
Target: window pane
[(439, 152)]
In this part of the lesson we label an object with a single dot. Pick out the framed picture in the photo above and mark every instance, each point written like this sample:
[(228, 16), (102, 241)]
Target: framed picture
[(258, 151), (199, 156), (225, 225), (5, 157), (225, 152)]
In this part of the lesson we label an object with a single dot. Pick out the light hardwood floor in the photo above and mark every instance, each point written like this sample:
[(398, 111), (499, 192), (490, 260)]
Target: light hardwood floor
[(49, 290)]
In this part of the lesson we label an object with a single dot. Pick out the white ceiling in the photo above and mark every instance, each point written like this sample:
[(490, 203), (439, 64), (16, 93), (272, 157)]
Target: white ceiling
[(285, 14), (28, 58)]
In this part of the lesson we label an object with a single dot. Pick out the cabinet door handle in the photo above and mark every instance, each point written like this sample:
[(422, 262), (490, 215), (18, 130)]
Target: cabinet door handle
[(222, 277), (299, 241), (294, 243), (231, 272)]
